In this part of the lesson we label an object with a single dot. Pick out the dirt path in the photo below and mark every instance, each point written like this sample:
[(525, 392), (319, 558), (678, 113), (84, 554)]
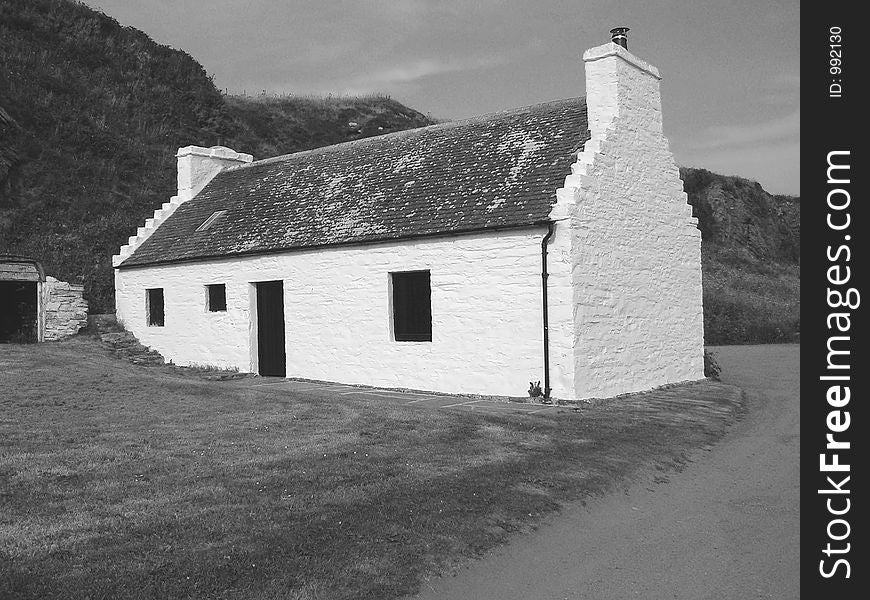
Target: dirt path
[(726, 527)]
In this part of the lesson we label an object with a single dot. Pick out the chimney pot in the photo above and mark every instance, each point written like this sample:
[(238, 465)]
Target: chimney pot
[(618, 35)]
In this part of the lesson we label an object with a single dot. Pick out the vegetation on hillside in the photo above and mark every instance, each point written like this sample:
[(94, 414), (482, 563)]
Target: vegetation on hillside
[(92, 113), (100, 110), (267, 126), (750, 259)]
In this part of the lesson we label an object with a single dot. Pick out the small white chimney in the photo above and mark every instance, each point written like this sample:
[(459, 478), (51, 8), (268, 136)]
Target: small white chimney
[(197, 166), (619, 83)]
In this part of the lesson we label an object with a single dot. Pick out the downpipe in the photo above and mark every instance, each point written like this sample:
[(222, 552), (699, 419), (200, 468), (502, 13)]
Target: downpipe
[(551, 228)]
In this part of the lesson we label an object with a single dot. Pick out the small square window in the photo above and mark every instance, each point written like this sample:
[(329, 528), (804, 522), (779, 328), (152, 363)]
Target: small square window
[(412, 307), (154, 307), (216, 297)]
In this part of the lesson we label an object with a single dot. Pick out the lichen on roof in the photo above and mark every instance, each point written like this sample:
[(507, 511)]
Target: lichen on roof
[(495, 171)]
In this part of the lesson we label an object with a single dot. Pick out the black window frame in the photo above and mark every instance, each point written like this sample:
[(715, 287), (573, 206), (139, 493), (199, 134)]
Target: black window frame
[(411, 305), (214, 301), (155, 307)]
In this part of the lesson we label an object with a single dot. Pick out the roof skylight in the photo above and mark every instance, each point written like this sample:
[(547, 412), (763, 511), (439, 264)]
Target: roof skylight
[(211, 220)]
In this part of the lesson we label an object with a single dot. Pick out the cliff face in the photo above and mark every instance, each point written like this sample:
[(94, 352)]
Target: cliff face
[(751, 259), (738, 215)]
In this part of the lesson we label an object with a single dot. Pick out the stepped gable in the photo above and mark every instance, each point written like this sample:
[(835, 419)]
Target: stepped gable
[(496, 171)]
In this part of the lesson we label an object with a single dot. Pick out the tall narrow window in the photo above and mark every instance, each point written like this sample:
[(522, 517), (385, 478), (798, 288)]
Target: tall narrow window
[(216, 297), (154, 306), (412, 307)]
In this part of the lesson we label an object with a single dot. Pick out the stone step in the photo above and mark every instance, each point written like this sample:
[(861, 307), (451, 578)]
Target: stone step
[(147, 359), (119, 339), (122, 343), (132, 349)]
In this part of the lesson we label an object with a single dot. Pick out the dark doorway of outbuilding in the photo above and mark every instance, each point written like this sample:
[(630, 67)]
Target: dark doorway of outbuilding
[(271, 356), (18, 311)]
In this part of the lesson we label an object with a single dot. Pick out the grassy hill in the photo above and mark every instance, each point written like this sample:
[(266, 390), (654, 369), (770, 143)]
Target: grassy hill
[(268, 126), (92, 113), (750, 258), (99, 109)]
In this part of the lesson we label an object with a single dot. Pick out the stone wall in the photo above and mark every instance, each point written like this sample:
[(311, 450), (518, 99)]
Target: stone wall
[(65, 311), (487, 334), (636, 249), (196, 167), (624, 282)]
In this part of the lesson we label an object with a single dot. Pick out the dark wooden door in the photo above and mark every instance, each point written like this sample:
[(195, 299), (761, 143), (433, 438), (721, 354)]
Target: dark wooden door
[(18, 311), (271, 357)]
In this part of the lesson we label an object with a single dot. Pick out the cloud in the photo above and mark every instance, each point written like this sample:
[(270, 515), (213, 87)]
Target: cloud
[(782, 90), (788, 81), (316, 53), (398, 76), (427, 67), (411, 13), (749, 135), (775, 166)]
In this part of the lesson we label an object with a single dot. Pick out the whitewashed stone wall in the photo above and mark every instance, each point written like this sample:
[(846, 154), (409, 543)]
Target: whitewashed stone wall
[(486, 313), (625, 309), (635, 249), (196, 167), (560, 308), (64, 310)]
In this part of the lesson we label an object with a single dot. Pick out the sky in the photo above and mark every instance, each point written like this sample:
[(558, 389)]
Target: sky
[(730, 68)]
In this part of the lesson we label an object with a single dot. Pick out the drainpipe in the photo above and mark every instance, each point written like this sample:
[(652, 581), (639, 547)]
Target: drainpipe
[(551, 228)]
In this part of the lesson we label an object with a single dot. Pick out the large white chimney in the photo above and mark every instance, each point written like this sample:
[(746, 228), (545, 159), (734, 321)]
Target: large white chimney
[(197, 166), (617, 83)]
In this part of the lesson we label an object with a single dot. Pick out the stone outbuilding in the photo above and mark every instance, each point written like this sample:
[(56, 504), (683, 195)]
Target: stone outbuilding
[(35, 307), (549, 243)]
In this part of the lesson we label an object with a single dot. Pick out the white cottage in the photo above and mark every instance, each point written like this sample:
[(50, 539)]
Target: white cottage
[(415, 259)]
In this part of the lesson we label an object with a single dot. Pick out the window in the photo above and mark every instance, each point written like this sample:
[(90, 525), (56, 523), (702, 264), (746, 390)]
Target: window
[(216, 297), (412, 307), (154, 306)]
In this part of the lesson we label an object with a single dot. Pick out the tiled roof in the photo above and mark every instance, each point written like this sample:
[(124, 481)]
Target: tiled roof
[(499, 170)]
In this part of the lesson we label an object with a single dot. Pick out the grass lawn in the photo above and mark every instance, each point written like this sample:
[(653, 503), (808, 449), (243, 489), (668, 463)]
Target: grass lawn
[(120, 481)]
